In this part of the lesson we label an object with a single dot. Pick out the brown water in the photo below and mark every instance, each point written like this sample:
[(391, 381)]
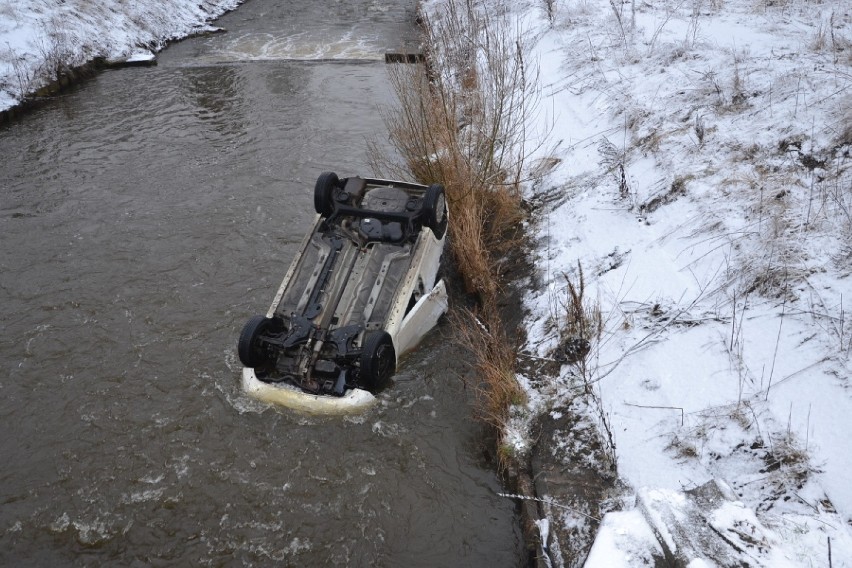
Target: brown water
[(143, 218)]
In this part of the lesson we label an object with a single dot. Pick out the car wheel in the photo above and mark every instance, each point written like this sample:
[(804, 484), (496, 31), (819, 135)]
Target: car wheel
[(249, 349), (378, 360), (324, 193), (435, 210)]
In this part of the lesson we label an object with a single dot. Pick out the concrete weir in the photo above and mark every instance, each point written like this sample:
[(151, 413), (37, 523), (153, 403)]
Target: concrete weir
[(404, 58)]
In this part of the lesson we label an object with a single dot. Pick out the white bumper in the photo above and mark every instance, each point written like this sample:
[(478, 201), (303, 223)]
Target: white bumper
[(354, 400)]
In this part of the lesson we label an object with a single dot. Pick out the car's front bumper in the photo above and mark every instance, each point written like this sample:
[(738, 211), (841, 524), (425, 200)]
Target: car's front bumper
[(353, 400)]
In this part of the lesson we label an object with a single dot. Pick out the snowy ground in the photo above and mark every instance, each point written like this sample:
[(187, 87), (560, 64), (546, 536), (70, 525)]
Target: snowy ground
[(40, 37), (704, 185)]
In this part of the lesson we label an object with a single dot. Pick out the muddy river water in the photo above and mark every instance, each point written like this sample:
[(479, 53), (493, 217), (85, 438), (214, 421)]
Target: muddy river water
[(144, 216)]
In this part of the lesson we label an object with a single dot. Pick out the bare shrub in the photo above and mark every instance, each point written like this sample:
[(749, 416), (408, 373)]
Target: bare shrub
[(700, 130), (426, 133), (738, 95), (828, 313), (626, 22), (614, 160), (23, 77), (659, 30), (550, 8), (733, 96), (839, 192), (827, 38), (694, 26), (461, 121), (820, 39), (55, 55), (56, 49), (840, 44), (580, 325)]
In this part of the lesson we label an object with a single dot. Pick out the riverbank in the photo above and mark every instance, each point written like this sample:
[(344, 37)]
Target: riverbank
[(45, 45), (688, 315)]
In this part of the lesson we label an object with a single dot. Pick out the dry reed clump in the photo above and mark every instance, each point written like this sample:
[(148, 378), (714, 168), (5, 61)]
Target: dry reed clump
[(461, 122), (425, 131), (580, 325), (481, 332), (581, 318)]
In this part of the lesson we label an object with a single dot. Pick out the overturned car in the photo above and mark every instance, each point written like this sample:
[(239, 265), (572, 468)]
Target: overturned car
[(362, 290)]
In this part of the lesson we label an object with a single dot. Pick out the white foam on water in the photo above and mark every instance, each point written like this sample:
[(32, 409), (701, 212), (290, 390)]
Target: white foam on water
[(299, 47), (142, 496), (61, 523), (235, 396), (88, 533), (152, 480)]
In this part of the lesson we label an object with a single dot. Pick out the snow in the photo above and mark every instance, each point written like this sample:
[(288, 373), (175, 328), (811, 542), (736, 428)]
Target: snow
[(140, 56), (38, 35), (624, 539), (720, 259), (701, 177)]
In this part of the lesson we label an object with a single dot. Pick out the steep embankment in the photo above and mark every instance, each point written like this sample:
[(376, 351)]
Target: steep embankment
[(694, 245)]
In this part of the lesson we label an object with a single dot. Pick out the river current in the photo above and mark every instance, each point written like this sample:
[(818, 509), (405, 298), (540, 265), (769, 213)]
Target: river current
[(145, 215)]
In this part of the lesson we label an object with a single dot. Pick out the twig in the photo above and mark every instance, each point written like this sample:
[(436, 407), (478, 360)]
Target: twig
[(808, 503), (829, 551), (646, 341), (778, 338), (528, 356), (794, 373), (659, 407), (548, 501)]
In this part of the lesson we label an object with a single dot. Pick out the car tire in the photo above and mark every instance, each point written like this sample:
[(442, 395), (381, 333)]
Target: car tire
[(250, 352), (324, 193), (378, 360), (435, 210)]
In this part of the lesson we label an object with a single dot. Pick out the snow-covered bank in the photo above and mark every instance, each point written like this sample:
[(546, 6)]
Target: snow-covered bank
[(40, 38), (704, 184)]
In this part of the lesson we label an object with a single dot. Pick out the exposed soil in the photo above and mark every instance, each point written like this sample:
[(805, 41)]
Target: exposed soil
[(574, 476), (566, 475)]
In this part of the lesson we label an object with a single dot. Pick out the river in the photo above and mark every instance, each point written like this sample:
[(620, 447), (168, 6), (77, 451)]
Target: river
[(145, 215)]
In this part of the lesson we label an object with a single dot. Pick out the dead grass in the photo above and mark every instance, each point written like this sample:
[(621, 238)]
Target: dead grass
[(582, 318), (580, 324), (481, 333), (461, 122), (787, 454), (827, 38), (484, 205)]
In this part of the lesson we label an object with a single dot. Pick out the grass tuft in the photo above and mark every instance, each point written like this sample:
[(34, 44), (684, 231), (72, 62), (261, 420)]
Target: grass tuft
[(481, 333)]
